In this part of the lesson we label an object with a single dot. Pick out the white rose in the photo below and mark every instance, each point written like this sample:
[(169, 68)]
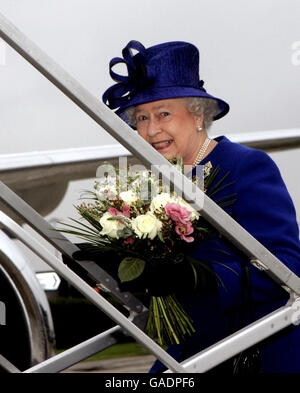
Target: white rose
[(110, 227), (194, 214), (161, 200), (146, 225), (129, 197)]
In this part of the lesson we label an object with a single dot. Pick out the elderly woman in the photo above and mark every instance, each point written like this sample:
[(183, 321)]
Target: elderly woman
[(164, 100)]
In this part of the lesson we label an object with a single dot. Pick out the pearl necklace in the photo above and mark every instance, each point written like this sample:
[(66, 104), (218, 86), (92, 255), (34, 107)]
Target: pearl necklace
[(202, 151)]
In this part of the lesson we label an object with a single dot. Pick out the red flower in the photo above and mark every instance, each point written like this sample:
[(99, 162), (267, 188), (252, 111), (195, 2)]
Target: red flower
[(129, 240)]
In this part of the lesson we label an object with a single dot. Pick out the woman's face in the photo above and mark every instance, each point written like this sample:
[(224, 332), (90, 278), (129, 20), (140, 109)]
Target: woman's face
[(170, 128)]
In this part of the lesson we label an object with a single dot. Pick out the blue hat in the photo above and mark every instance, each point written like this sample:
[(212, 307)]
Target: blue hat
[(168, 70)]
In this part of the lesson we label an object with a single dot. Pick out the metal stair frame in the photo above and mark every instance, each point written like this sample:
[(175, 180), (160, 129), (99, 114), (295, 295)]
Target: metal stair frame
[(256, 252)]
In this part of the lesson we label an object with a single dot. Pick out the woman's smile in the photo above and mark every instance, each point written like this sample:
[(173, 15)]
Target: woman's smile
[(162, 145)]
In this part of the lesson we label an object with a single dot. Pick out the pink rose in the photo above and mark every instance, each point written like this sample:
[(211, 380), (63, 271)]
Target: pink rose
[(115, 212), (177, 213), (183, 230), (126, 211)]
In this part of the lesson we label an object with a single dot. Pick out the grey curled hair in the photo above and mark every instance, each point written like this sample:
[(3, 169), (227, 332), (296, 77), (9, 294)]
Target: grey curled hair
[(199, 106)]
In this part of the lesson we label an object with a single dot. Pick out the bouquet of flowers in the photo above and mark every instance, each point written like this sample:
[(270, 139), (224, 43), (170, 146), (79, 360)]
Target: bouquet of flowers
[(146, 224)]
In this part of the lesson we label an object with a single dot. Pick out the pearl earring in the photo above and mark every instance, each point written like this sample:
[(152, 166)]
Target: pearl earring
[(199, 128)]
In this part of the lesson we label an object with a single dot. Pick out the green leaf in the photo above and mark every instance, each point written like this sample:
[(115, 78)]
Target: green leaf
[(160, 236), (131, 268), (119, 217), (215, 186), (210, 193), (209, 180), (201, 229), (124, 233)]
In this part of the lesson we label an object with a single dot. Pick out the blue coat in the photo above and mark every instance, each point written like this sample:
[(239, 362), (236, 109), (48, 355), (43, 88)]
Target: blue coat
[(264, 208)]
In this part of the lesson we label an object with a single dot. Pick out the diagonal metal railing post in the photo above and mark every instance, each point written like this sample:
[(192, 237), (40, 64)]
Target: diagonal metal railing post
[(8, 366)]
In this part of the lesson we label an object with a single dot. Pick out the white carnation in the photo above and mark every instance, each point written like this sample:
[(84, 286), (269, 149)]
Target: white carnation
[(106, 192), (146, 225), (129, 197), (160, 201)]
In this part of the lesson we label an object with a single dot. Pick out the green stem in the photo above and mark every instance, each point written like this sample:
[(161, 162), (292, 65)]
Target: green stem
[(167, 320), (157, 320), (182, 315)]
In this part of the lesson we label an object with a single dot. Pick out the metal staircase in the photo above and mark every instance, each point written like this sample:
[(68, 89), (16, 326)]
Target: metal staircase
[(256, 252)]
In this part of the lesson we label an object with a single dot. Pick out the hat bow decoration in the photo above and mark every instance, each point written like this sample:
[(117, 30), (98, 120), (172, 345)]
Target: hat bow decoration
[(136, 80)]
